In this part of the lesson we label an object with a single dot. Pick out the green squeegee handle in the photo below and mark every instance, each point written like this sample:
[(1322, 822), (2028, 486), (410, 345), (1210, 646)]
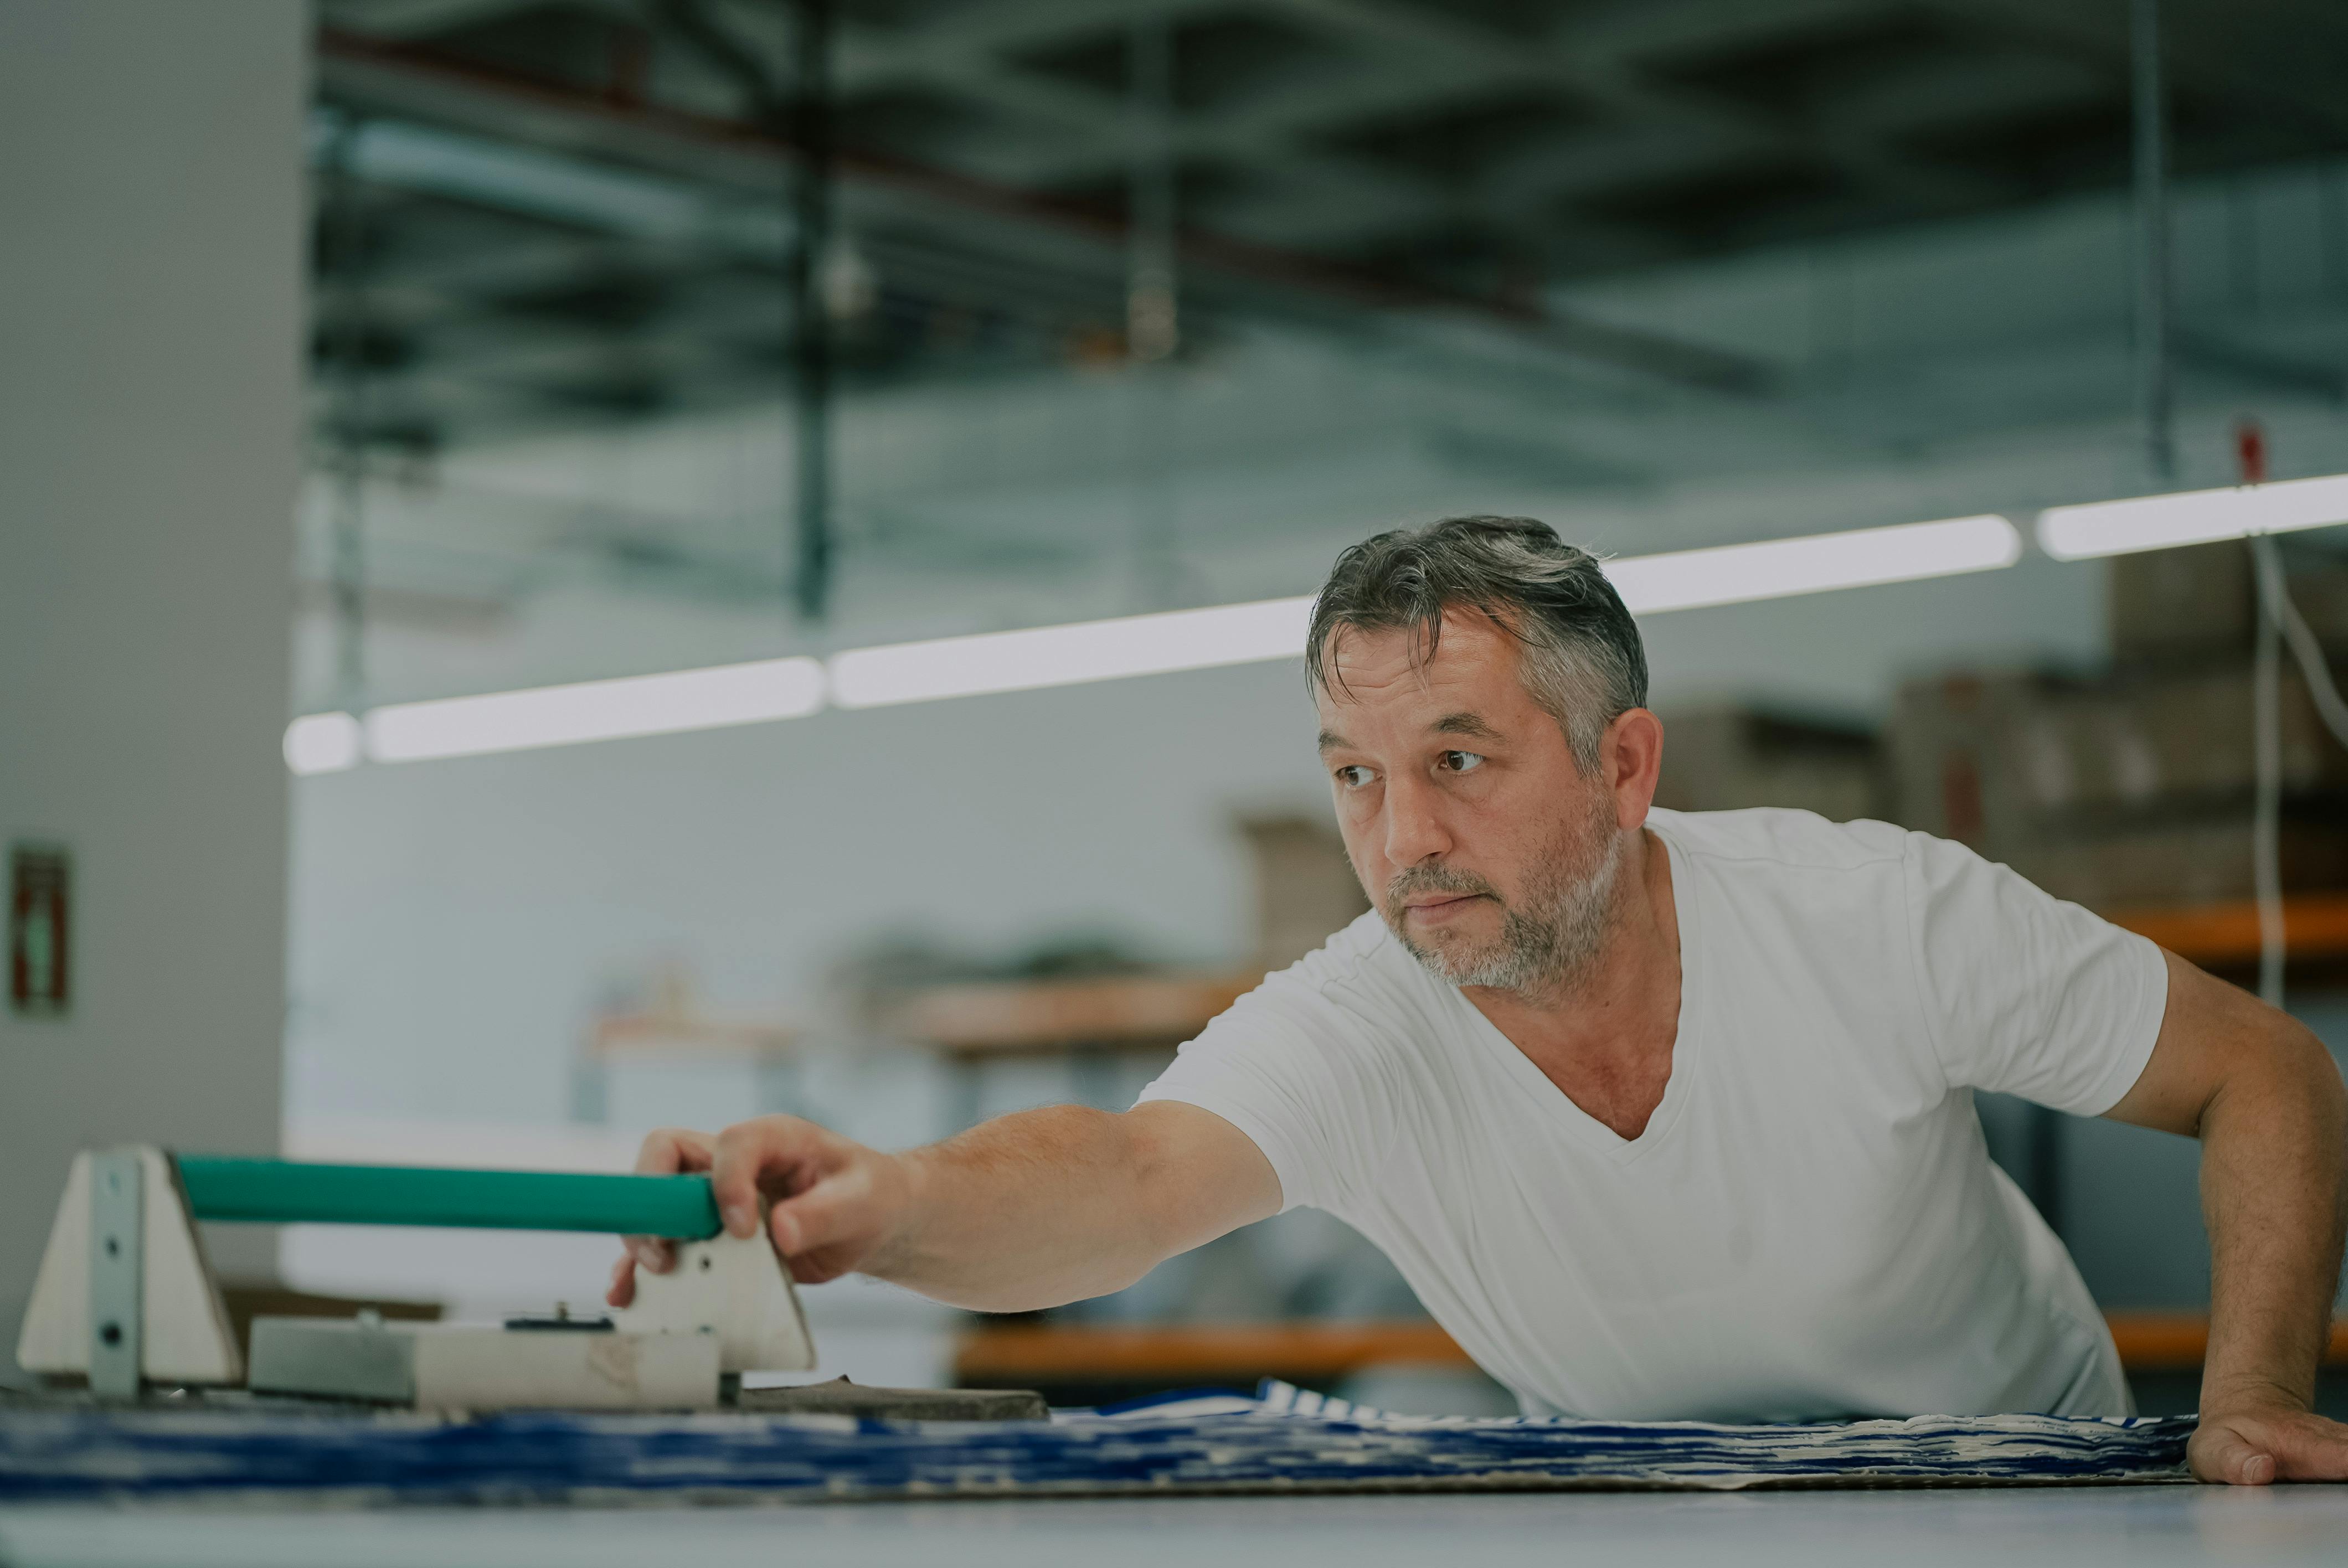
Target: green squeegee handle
[(287, 1192)]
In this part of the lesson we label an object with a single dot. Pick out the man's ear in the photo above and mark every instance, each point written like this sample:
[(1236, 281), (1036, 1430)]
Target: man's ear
[(1632, 757)]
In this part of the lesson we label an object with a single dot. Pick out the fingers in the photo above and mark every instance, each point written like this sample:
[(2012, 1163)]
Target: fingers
[(671, 1150), (824, 1216), (2260, 1449), (771, 1152), (2221, 1454), (2312, 1448), (653, 1254), (622, 1289)]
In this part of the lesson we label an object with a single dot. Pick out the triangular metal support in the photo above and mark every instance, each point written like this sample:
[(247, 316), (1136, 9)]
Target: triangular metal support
[(734, 1287), (125, 1295)]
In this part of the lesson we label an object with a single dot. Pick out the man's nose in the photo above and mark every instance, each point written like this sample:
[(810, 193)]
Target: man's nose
[(1415, 829)]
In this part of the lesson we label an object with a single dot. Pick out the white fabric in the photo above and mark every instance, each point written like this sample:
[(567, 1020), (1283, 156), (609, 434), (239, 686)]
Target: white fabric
[(1809, 1226)]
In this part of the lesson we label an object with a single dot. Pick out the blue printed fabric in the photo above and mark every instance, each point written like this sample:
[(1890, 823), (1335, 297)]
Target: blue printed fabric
[(1283, 1440)]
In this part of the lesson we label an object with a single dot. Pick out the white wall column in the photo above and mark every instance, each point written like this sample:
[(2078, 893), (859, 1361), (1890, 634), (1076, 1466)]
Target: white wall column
[(151, 257)]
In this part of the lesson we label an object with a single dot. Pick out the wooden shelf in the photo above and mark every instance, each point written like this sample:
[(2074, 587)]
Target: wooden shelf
[(1038, 1017), (2315, 926), (1175, 1354), (689, 1034), (1156, 1012)]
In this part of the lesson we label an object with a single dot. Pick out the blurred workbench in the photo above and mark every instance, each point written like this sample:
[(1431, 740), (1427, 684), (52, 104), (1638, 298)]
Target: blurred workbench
[(1095, 1023), (672, 1033)]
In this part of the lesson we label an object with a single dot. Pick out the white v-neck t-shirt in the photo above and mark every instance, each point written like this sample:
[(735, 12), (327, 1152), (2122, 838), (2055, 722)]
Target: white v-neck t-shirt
[(1809, 1226)]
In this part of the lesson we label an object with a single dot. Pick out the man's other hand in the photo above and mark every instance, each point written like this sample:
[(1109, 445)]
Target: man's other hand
[(835, 1202), (2261, 1445)]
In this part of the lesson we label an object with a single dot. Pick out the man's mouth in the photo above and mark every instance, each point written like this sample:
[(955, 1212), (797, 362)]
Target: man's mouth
[(1441, 907)]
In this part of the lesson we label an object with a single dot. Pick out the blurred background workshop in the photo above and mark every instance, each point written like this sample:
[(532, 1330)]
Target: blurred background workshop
[(948, 401)]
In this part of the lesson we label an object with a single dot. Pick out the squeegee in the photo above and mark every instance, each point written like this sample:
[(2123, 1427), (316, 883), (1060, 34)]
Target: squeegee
[(127, 1298)]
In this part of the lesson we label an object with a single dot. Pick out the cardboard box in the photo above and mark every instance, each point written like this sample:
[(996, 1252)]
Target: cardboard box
[(1305, 889), (2172, 605), (2319, 590), (1992, 759), (2190, 736), (1728, 759), (2191, 862), (1953, 748)]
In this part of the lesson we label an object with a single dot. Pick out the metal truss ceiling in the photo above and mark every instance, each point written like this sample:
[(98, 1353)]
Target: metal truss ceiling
[(1343, 156)]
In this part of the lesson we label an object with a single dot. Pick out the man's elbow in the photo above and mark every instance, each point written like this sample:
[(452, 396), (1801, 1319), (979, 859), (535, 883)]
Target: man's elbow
[(2298, 1069)]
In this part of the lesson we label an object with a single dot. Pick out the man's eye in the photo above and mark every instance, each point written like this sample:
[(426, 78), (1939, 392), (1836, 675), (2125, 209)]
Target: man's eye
[(1462, 762), (1353, 777)]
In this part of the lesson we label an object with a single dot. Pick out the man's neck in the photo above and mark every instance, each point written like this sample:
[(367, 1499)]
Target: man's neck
[(1604, 1037)]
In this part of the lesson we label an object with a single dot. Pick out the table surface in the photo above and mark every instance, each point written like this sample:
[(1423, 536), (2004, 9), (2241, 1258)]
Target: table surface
[(2085, 1527)]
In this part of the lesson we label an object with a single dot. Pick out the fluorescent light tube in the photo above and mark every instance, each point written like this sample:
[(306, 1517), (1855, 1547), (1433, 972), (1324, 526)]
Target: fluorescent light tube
[(2191, 518), (1274, 628), (322, 743), (1084, 651), (596, 710), (1774, 569), (1063, 655)]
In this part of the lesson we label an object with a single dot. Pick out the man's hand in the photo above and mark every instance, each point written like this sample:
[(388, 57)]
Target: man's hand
[(835, 1202), (2265, 1099), (2258, 1444), (1027, 1211)]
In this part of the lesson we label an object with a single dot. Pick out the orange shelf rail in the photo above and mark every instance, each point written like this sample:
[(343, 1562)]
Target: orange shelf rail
[(2177, 1341), (1140, 1353), (2315, 926), (1320, 1352)]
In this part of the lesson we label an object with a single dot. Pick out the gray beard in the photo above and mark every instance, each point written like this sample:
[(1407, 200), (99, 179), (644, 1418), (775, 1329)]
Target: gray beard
[(1545, 948)]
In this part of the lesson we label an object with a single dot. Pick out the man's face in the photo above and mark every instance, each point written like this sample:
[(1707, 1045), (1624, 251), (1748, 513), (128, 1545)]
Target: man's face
[(1486, 848)]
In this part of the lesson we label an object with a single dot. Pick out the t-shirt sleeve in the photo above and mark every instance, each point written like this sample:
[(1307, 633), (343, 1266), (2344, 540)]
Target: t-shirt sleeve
[(2024, 993), (1284, 1066)]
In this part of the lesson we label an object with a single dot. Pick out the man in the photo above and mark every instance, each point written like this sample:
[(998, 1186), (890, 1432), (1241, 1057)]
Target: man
[(1662, 1115)]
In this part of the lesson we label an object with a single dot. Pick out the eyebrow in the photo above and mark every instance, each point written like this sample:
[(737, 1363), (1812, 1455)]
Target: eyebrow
[(1460, 724), (1464, 723)]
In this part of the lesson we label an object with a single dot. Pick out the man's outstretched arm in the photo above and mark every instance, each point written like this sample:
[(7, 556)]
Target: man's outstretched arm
[(1024, 1212), (2265, 1099)]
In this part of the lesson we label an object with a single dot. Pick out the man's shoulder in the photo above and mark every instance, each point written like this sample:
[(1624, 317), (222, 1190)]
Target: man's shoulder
[(1767, 836), (1359, 978), (1362, 952)]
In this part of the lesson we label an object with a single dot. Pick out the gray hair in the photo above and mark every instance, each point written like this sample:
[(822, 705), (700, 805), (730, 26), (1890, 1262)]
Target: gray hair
[(1583, 661)]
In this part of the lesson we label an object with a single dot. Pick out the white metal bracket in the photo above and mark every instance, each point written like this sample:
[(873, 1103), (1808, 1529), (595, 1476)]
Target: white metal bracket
[(125, 1295), (117, 1248), (734, 1287)]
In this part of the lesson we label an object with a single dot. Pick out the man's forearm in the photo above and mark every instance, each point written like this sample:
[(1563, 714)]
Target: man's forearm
[(1027, 1211), (2272, 1196)]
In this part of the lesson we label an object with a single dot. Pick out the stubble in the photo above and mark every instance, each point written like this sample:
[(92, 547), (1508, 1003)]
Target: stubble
[(1548, 939)]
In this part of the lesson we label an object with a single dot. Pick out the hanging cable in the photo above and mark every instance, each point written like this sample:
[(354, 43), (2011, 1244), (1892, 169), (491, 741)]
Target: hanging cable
[(2280, 625), (2266, 822), (2280, 621), (2301, 638)]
